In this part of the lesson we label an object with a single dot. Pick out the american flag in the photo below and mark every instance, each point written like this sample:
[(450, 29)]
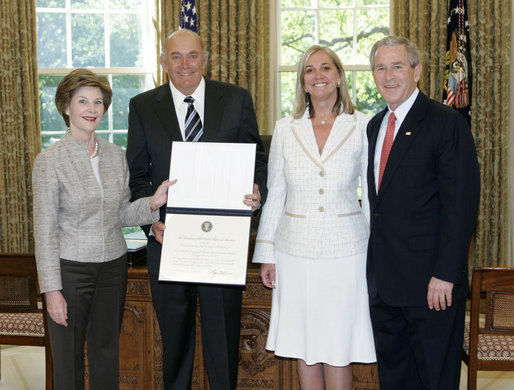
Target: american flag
[(457, 84), (188, 16)]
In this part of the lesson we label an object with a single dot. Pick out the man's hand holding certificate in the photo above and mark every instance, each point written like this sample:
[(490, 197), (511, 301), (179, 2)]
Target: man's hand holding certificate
[(207, 222)]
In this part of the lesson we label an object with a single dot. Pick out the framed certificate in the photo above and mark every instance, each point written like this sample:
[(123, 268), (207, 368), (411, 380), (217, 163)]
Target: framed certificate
[(207, 224)]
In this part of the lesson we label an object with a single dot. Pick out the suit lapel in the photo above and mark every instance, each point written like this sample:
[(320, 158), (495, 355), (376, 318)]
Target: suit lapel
[(304, 135), (343, 128), (165, 111), (213, 111), (403, 140), (373, 130)]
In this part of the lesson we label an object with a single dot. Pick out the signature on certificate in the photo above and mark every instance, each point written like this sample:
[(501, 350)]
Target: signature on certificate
[(216, 272)]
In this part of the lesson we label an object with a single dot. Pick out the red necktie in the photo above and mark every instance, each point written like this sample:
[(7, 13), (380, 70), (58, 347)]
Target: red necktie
[(386, 148)]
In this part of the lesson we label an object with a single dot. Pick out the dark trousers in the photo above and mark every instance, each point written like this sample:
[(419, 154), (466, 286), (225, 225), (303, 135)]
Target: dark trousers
[(418, 348), (220, 314), (95, 295)]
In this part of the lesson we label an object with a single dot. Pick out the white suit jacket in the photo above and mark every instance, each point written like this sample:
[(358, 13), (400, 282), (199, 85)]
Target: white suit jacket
[(313, 207)]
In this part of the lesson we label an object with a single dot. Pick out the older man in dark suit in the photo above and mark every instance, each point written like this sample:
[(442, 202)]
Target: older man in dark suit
[(191, 107), (423, 167)]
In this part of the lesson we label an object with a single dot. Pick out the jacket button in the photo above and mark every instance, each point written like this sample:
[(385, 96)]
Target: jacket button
[(321, 209), (321, 191)]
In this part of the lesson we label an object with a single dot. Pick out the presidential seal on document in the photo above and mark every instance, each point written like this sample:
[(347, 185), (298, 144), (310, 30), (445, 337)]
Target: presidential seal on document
[(207, 224)]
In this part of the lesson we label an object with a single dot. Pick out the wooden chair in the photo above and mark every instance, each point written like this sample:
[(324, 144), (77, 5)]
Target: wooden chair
[(489, 335), (23, 319)]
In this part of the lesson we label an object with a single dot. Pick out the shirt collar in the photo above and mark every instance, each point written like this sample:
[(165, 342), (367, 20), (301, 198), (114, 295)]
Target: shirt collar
[(403, 109), (198, 94)]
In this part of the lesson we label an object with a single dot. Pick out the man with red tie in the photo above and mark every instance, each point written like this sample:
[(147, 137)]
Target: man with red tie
[(424, 171)]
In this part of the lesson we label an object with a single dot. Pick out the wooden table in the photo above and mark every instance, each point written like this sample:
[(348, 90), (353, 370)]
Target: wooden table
[(141, 348)]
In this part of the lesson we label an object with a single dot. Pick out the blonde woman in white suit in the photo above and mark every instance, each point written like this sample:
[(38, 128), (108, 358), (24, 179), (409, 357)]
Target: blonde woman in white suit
[(313, 233)]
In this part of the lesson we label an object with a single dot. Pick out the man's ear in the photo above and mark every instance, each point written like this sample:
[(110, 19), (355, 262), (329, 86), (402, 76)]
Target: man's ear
[(205, 59), (164, 65), (417, 72)]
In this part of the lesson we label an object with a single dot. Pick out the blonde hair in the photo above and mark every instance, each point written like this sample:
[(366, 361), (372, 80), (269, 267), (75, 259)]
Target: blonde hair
[(343, 102)]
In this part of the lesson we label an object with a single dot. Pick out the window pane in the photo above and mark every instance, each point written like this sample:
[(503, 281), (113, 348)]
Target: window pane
[(51, 120), (47, 140), (87, 32), (296, 3), (87, 4), (336, 31), (120, 140), (377, 26), (50, 3), (336, 3), (372, 2), (368, 99), (298, 34), (51, 40), (126, 47), (86, 45), (124, 88), (125, 4), (287, 92)]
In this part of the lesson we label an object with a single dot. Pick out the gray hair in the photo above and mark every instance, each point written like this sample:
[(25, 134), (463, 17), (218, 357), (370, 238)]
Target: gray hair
[(413, 54), (205, 53)]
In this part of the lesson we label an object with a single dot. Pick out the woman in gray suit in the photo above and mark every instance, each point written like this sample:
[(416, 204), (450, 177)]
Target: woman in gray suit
[(313, 233), (81, 201)]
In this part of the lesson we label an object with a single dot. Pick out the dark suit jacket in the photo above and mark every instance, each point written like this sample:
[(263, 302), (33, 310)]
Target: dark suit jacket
[(424, 215), (228, 117)]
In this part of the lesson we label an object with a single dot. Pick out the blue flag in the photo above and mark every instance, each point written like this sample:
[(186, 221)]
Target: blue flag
[(188, 18), (457, 84)]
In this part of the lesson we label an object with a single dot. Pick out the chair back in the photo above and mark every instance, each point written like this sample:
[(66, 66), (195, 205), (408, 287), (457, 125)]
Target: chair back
[(489, 336), (498, 286), (23, 320), (18, 284)]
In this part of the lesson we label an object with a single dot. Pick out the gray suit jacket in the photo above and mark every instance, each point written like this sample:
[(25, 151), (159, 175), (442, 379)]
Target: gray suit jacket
[(72, 220)]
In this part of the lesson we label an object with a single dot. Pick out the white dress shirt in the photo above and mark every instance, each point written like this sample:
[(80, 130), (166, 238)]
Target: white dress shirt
[(401, 112), (181, 106)]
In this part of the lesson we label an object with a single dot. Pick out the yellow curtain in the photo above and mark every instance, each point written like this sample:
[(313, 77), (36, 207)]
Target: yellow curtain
[(425, 24), (236, 35), (19, 124)]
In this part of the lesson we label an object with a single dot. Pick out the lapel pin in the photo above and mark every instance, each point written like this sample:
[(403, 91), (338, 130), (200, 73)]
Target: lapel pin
[(408, 133)]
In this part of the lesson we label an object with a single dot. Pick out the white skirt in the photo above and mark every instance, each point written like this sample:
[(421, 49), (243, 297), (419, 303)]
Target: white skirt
[(320, 310)]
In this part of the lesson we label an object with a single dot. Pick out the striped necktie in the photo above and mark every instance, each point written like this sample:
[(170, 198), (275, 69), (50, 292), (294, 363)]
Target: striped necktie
[(193, 126)]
